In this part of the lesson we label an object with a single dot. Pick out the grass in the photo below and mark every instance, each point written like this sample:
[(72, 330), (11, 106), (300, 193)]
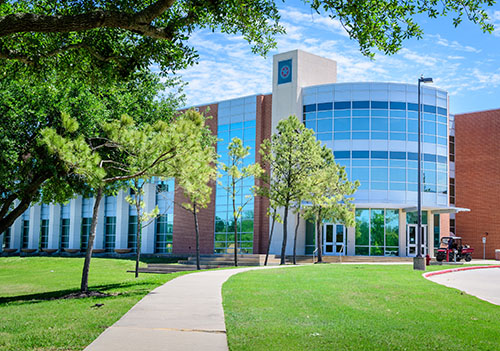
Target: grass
[(33, 318), (346, 307)]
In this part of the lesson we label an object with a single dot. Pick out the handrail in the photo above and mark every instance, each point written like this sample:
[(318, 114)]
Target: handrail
[(341, 252)]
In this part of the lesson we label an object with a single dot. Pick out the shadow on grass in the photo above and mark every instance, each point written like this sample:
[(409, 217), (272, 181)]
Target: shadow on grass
[(59, 294)]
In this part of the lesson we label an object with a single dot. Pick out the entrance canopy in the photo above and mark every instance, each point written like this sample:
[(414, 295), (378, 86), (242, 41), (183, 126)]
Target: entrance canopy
[(436, 210)]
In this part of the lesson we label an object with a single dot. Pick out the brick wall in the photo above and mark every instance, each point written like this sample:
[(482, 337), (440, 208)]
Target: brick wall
[(184, 238), (261, 219), (477, 179)]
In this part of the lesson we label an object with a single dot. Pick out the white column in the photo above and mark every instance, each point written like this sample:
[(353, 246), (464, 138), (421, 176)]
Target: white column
[(34, 229), (15, 233), (54, 226), (99, 231), (402, 233), (122, 212), (148, 233), (75, 223), (430, 233), (351, 241)]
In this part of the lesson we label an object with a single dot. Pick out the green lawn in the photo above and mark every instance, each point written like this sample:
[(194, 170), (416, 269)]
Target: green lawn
[(346, 307), (31, 316)]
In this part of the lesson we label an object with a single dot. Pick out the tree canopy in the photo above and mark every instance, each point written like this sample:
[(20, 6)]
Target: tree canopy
[(28, 104), (292, 153), (128, 35)]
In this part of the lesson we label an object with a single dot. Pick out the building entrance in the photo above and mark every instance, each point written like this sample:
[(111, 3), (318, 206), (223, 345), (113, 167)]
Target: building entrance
[(335, 238), (411, 240)]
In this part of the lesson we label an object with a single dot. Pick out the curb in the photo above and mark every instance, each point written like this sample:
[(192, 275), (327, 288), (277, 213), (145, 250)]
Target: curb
[(430, 274)]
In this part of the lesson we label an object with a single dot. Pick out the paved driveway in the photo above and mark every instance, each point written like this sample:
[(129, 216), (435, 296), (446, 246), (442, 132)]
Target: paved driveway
[(482, 283)]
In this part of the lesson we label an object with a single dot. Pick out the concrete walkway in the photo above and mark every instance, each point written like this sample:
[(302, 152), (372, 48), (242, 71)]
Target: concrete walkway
[(482, 283), (183, 314)]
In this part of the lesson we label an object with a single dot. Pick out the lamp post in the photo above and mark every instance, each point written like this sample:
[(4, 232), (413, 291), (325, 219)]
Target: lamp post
[(418, 261)]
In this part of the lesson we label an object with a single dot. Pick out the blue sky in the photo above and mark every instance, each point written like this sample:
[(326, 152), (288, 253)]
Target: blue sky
[(463, 60)]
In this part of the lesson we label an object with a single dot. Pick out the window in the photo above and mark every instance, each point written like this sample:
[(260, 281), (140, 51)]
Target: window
[(452, 191), (109, 234), (436, 231), (132, 233), (64, 242), (25, 234), (377, 232), (84, 235), (44, 234), (452, 225), (6, 239), (164, 236), (452, 148)]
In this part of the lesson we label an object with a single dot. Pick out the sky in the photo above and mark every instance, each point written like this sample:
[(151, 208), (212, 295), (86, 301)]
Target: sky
[(463, 60)]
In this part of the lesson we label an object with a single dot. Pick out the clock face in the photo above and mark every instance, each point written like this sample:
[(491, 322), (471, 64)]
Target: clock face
[(285, 72)]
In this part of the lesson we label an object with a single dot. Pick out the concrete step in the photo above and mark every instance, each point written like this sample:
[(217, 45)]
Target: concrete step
[(220, 263), (350, 259)]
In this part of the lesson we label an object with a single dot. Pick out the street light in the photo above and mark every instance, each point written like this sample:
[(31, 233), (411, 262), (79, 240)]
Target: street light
[(419, 261)]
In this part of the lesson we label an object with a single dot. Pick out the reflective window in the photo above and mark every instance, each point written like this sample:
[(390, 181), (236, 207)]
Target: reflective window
[(342, 124), (377, 232)]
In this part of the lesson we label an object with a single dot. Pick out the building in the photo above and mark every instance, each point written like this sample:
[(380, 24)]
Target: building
[(476, 179), (372, 128)]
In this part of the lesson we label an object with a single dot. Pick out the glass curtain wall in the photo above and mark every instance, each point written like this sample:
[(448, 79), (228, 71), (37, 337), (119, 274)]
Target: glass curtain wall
[(165, 190), (87, 209), (64, 238), (44, 226), (377, 232), (379, 113), (110, 223), (236, 118)]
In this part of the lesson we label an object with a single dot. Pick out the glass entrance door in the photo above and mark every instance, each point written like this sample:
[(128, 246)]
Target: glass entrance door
[(411, 240), (335, 238)]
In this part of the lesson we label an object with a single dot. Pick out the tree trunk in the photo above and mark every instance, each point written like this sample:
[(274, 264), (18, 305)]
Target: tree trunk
[(197, 231), (7, 217), (235, 218), (295, 237), (270, 237), (84, 287), (283, 245), (138, 192), (319, 241)]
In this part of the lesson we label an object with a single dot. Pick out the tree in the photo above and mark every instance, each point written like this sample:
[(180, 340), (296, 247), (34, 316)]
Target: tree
[(196, 183), (129, 34), (143, 218), (292, 153), (329, 196), (31, 103), (237, 173), (125, 152), (48, 44)]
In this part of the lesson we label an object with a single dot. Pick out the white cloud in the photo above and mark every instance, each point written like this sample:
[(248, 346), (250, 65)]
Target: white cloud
[(495, 19), (227, 68), (312, 19), (455, 45)]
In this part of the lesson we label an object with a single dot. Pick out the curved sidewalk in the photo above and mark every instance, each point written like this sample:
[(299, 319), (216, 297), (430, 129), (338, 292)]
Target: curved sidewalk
[(183, 314), (482, 282)]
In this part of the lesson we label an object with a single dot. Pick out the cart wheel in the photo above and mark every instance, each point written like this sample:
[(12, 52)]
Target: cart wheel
[(468, 258)]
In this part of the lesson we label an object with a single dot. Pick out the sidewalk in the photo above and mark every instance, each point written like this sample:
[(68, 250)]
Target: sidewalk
[(482, 283), (183, 314)]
